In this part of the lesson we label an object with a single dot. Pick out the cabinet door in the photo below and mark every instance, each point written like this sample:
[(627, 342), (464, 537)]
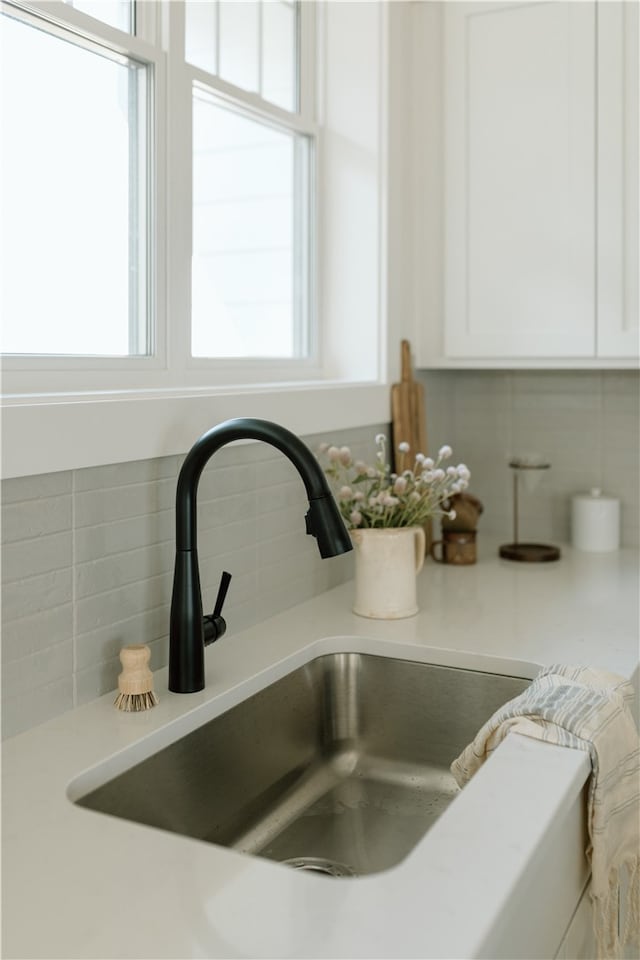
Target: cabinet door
[(519, 116), (618, 325)]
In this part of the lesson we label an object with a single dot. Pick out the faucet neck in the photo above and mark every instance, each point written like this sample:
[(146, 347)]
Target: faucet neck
[(239, 429)]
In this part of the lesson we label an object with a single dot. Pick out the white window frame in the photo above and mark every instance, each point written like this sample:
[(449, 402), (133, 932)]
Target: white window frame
[(233, 370), (154, 406), (59, 375)]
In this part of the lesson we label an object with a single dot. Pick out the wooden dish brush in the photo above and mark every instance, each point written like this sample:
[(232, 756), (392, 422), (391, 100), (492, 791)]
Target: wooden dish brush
[(135, 683)]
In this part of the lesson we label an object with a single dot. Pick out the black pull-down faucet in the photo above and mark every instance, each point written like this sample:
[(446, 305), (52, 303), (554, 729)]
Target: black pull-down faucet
[(189, 631)]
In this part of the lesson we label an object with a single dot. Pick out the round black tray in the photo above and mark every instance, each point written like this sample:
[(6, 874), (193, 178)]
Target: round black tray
[(529, 552)]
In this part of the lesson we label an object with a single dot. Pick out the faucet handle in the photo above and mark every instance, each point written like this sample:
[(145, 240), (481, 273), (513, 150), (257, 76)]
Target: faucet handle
[(215, 626)]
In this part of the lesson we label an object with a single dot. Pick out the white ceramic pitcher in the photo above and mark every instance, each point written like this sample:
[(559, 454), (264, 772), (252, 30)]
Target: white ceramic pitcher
[(386, 563)]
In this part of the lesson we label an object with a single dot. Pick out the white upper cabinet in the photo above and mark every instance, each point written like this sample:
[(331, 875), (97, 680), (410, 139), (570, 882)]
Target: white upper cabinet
[(618, 327), (540, 181)]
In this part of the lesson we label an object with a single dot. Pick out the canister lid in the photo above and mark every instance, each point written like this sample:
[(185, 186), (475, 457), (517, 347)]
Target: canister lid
[(595, 493)]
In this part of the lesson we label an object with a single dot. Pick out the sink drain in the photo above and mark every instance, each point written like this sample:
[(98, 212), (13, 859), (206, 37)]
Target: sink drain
[(320, 865)]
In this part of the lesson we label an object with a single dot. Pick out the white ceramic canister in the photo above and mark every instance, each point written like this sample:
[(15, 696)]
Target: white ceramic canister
[(595, 522)]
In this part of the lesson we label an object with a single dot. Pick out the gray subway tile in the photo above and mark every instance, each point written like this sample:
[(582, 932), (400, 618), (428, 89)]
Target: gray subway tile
[(117, 503), (287, 522), (96, 680), (293, 547), (105, 643), (125, 474), (37, 669), (224, 510), (27, 558), (118, 570), (109, 539), (555, 382), (224, 481), (28, 519), (39, 487), (121, 604), (33, 595), (36, 631), (225, 540)]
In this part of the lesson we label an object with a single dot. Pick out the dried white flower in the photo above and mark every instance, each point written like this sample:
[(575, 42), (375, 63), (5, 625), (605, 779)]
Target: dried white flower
[(373, 496)]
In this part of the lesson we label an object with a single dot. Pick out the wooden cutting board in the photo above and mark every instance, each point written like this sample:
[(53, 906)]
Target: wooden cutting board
[(408, 414), (408, 423)]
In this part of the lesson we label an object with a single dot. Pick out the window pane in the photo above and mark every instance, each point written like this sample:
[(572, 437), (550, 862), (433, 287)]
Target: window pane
[(252, 44), (74, 220), (239, 43), (201, 30), (249, 248), (117, 13), (279, 53)]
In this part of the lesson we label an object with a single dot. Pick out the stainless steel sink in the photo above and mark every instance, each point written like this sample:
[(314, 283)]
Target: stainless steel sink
[(340, 767)]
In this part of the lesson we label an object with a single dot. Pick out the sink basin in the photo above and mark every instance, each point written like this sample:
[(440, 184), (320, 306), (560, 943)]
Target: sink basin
[(339, 767)]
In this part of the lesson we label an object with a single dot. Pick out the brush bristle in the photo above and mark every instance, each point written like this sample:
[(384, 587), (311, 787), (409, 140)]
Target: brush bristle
[(134, 702)]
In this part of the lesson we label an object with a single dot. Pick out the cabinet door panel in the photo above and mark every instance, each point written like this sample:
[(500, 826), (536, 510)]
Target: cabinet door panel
[(519, 179), (618, 253)]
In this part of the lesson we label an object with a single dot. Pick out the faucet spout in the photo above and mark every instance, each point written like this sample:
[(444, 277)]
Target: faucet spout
[(323, 521)]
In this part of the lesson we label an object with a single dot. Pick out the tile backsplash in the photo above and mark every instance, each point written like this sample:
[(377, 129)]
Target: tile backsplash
[(585, 424), (87, 564), (87, 555)]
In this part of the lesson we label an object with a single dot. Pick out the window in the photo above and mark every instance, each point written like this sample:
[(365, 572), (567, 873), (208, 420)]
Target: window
[(75, 212), (93, 269), (196, 179), (253, 45), (118, 13), (250, 236), (252, 223)]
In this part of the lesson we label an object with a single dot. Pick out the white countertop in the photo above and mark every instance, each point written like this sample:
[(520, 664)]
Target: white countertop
[(79, 884)]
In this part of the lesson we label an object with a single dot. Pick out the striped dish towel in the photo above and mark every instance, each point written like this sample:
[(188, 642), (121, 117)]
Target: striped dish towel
[(586, 709)]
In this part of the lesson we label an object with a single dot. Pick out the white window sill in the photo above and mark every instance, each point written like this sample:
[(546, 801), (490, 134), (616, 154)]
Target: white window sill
[(46, 434)]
